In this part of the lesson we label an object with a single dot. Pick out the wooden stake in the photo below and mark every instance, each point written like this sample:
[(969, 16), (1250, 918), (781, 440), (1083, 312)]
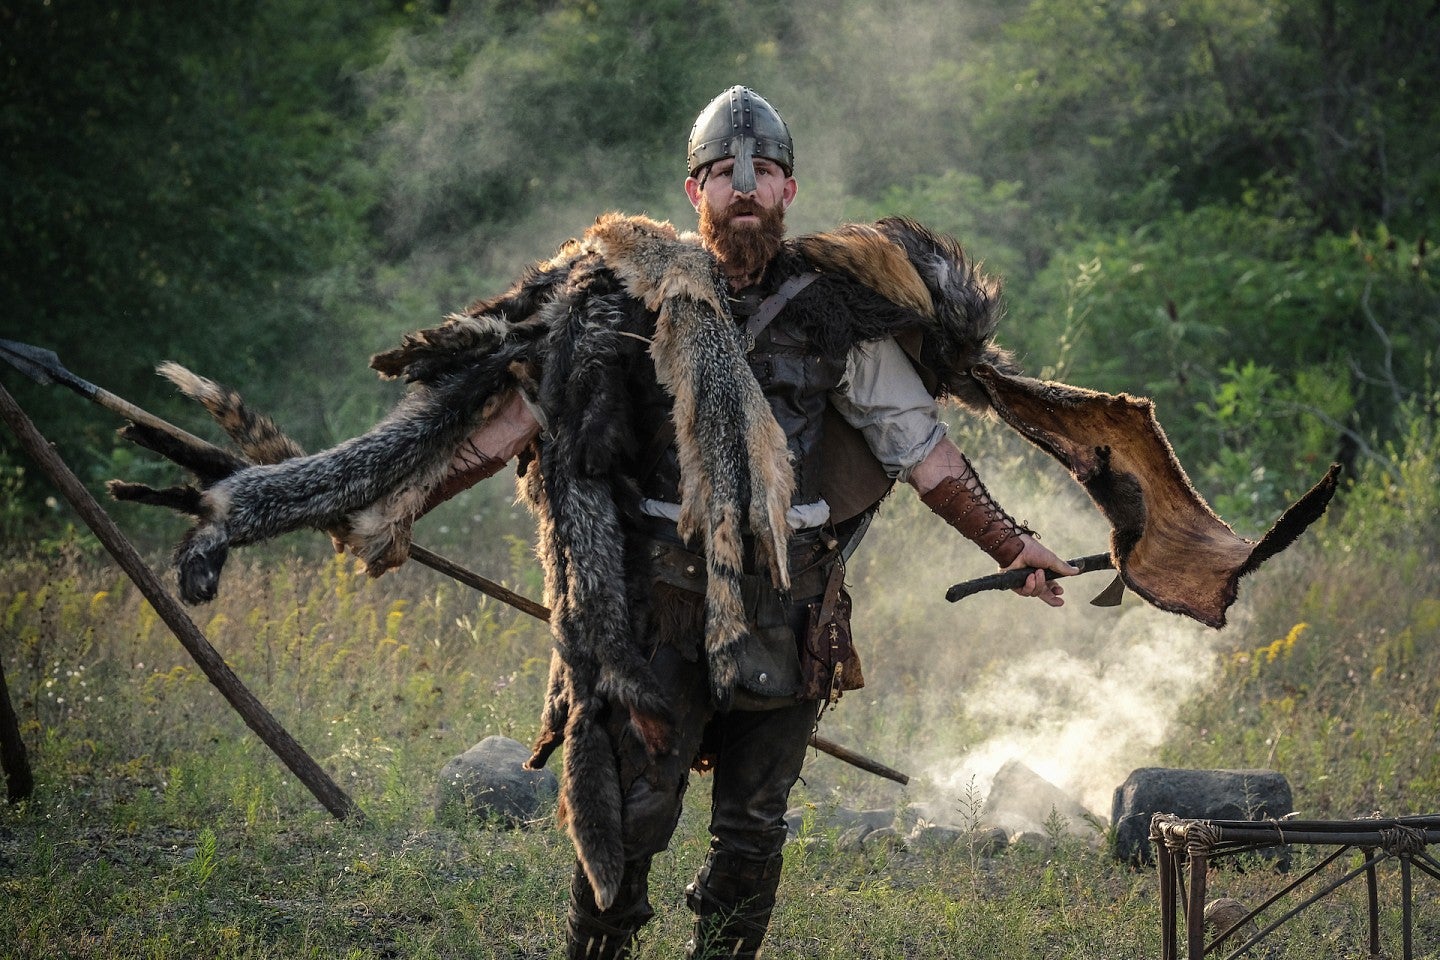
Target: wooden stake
[(251, 710)]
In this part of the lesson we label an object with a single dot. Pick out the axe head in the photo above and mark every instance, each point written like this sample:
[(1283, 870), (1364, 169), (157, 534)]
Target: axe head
[(1110, 596)]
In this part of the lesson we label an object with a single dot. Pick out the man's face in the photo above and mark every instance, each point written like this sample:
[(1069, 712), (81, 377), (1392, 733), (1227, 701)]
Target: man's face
[(743, 229)]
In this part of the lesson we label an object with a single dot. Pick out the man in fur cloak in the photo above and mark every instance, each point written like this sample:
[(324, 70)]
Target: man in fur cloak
[(714, 636), (703, 427)]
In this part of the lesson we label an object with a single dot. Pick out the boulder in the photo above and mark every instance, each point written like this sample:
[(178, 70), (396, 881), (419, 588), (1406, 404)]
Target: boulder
[(1195, 795), (981, 841), (1021, 801), (489, 782), (842, 820)]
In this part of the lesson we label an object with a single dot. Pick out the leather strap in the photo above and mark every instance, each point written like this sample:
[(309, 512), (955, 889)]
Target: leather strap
[(832, 593), (476, 466), (771, 306)]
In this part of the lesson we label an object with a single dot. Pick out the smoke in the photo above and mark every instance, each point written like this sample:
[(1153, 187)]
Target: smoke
[(874, 95), (494, 148), (1081, 695), (1085, 713)]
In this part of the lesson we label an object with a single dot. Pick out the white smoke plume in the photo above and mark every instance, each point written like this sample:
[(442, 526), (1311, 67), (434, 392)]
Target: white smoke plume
[(1081, 695), (1084, 713)]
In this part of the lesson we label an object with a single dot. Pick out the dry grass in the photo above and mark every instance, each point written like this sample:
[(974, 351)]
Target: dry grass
[(161, 827)]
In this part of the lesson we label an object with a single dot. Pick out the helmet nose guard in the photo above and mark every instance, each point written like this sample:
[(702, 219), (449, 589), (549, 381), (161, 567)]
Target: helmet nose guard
[(740, 123)]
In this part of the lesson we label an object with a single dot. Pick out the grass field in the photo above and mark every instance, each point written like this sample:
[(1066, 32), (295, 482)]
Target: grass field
[(161, 827)]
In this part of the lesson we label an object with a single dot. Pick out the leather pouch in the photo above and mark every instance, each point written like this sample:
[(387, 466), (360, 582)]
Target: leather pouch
[(828, 662)]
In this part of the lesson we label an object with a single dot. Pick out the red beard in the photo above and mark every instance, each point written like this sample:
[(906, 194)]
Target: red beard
[(744, 249)]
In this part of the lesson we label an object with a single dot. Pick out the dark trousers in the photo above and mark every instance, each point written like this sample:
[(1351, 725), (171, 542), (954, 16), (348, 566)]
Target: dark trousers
[(757, 756)]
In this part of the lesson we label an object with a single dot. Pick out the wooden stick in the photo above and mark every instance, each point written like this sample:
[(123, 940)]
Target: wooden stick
[(855, 759), (1013, 579), (245, 703)]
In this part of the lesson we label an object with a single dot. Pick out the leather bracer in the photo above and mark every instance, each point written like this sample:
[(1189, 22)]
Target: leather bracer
[(963, 502)]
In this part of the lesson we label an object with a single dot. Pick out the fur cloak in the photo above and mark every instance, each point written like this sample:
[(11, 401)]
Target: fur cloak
[(566, 332)]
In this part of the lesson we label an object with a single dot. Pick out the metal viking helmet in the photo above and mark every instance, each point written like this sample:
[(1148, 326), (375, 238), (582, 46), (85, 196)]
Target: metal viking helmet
[(741, 124)]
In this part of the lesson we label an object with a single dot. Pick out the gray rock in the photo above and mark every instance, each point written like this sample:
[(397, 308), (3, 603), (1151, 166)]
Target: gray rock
[(853, 839), (489, 782), (983, 841), (839, 819), (1193, 794), (989, 842), (934, 836), (1034, 839), (1022, 801)]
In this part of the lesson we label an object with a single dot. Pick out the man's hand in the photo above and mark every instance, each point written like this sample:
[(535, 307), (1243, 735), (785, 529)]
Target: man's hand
[(1040, 557)]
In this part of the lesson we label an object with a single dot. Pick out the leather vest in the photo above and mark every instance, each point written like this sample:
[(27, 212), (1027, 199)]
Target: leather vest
[(796, 381)]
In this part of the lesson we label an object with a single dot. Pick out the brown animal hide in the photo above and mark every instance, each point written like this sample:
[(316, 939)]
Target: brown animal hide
[(1168, 545)]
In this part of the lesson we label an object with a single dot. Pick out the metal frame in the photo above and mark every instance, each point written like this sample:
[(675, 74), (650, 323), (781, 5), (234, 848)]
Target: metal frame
[(1185, 848)]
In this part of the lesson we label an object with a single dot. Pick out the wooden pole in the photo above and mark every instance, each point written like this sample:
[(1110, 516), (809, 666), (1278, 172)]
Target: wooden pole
[(1195, 913), (1165, 861), (254, 713), (856, 759)]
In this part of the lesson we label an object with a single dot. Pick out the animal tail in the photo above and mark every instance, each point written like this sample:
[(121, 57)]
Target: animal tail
[(257, 436)]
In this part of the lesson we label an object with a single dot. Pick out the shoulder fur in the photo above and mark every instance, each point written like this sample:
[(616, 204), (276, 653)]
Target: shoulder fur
[(871, 257), (654, 261)]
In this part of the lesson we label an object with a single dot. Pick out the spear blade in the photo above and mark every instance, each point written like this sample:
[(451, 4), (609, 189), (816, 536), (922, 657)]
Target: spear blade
[(40, 365), (45, 368)]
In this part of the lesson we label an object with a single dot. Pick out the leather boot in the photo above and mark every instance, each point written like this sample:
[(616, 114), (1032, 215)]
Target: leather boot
[(732, 899), (595, 934)]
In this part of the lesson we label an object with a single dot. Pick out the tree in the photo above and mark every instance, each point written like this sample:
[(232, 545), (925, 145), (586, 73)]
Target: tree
[(177, 177)]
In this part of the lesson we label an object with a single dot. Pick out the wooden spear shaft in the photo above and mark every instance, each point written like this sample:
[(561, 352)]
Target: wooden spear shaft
[(253, 712), (539, 612)]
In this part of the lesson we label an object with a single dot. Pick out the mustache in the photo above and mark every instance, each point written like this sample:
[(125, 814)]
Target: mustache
[(741, 208)]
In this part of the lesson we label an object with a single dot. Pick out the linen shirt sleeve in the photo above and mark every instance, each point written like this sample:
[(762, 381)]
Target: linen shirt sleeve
[(881, 396)]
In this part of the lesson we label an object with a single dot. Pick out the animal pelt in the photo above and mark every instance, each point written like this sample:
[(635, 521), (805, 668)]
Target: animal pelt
[(564, 330), (1167, 544), (928, 275), (367, 490)]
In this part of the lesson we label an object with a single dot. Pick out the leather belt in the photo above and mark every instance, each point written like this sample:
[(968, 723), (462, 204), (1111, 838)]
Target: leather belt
[(679, 567)]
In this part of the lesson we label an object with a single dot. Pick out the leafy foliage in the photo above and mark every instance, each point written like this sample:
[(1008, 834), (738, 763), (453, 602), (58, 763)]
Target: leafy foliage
[(1266, 347), (1109, 107), (180, 181), (1170, 191)]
